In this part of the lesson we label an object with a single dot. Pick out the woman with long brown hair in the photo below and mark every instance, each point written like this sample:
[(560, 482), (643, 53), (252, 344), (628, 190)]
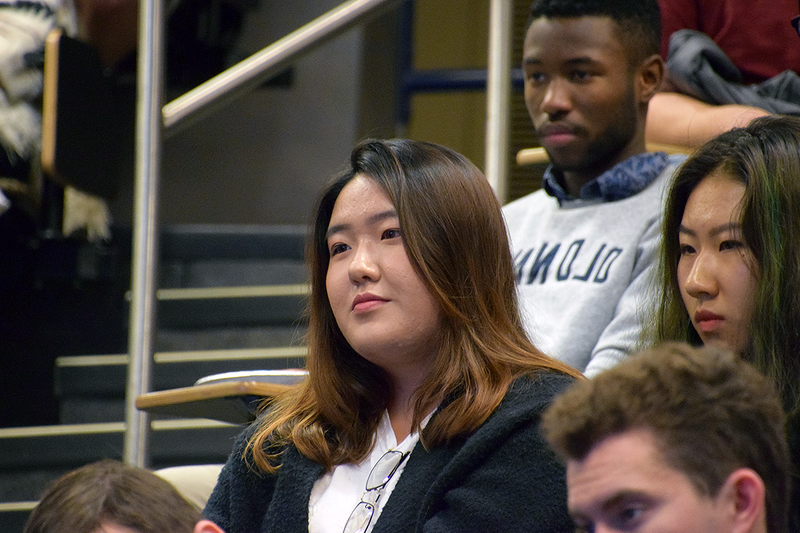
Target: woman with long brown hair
[(421, 408)]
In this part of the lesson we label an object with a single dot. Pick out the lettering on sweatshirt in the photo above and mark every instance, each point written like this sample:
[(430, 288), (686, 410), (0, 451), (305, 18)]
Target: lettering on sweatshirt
[(562, 262)]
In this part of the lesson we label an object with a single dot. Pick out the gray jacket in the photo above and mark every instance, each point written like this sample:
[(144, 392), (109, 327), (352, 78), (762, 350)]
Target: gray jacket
[(699, 68)]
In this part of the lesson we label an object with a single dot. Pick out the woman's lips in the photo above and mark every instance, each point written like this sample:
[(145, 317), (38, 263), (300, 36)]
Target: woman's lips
[(366, 302), (707, 321)]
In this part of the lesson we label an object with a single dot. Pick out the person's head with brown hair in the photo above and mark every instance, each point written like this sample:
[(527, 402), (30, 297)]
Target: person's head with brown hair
[(111, 496), (691, 438), (414, 229)]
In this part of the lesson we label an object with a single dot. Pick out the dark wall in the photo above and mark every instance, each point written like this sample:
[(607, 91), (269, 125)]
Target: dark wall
[(262, 159)]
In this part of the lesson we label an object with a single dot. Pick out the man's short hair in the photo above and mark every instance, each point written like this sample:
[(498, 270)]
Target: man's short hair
[(709, 411), (109, 492), (638, 21)]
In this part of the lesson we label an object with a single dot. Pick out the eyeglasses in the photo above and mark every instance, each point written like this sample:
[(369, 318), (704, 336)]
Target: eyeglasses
[(796, 24), (378, 477)]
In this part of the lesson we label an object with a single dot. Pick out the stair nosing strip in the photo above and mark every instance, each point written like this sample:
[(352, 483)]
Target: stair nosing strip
[(6, 507), (238, 354), (212, 293), (62, 429), (108, 427), (188, 423)]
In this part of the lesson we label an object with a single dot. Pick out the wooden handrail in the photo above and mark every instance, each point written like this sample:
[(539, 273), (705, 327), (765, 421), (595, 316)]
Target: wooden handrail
[(537, 156), (228, 402)]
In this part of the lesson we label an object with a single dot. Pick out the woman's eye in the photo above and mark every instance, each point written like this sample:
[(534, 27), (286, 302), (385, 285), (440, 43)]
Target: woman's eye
[(338, 248), (730, 245), (391, 233), (685, 249)]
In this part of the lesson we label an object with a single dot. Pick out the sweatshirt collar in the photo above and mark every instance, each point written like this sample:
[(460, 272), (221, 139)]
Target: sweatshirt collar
[(622, 181)]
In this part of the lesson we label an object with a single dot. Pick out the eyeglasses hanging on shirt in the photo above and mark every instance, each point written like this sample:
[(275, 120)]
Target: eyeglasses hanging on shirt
[(378, 478)]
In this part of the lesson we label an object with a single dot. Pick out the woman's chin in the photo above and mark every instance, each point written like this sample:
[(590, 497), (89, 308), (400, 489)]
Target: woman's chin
[(730, 345)]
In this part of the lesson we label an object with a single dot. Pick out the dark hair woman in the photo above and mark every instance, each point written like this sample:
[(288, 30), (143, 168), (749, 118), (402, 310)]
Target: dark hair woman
[(730, 259)]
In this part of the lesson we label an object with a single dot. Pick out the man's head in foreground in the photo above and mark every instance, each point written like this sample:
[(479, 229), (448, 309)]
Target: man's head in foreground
[(675, 439), (111, 497)]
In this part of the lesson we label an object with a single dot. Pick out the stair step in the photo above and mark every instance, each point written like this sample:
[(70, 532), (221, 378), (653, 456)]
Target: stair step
[(230, 272), (106, 375), (171, 441), (30, 457), (232, 241), (187, 340), (13, 515), (211, 307), (231, 298)]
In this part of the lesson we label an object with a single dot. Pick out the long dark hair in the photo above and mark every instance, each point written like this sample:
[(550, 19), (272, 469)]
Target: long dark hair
[(765, 157)]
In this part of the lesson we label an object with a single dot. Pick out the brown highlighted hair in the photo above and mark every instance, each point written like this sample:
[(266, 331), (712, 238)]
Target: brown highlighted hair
[(110, 492), (455, 238), (709, 411)]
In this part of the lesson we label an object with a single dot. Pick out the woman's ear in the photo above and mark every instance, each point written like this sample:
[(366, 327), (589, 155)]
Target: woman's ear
[(745, 492), (649, 76), (207, 526)]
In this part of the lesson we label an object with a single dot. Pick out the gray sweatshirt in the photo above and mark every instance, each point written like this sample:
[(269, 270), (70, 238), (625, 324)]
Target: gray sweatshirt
[(584, 265)]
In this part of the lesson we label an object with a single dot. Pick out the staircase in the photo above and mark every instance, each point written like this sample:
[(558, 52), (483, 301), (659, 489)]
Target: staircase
[(230, 298)]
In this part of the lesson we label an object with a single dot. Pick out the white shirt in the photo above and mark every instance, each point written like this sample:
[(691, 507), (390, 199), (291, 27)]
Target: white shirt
[(336, 494)]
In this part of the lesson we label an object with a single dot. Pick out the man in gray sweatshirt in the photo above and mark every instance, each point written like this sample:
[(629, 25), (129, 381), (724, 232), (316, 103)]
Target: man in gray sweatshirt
[(585, 244)]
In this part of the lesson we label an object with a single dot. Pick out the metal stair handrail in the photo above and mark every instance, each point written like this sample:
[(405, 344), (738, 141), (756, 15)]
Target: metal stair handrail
[(152, 120), (248, 73)]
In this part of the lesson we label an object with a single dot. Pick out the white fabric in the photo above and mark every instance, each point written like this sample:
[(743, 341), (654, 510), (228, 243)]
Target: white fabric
[(23, 29), (193, 482), (337, 493), (4, 203)]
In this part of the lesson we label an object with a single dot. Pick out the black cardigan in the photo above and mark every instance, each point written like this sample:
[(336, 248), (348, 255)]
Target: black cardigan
[(502, 477)]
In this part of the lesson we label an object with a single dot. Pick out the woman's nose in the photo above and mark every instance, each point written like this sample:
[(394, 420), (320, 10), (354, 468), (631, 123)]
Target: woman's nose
[(364, 265), (701, 279)]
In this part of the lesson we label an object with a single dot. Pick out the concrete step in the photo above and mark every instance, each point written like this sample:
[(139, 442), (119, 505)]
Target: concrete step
[(92, 388), (232, 241), (106, 374), (13, 516), (32, 457), (218, 307), (231, 298)]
